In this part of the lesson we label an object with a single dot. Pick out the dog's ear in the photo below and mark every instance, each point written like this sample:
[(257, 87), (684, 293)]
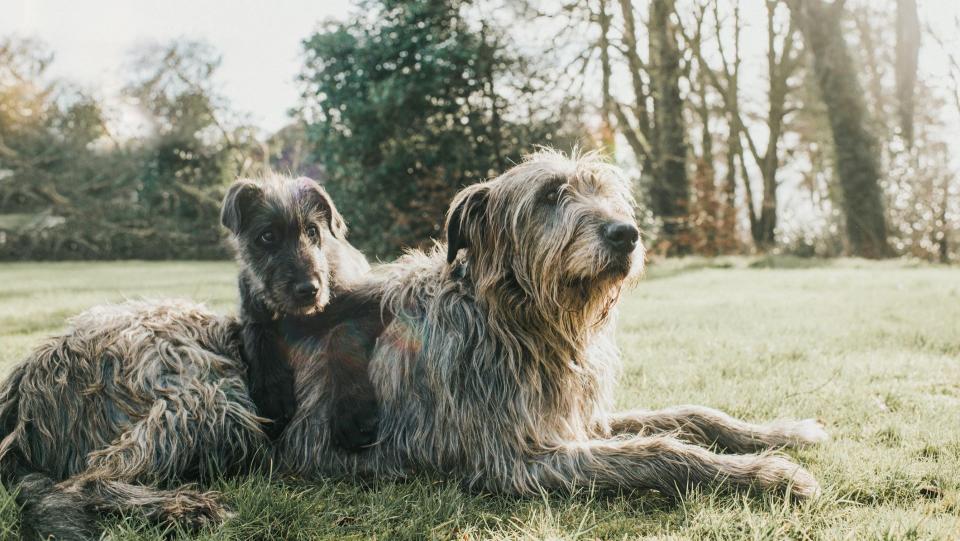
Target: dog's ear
[(241, 195), (335, 222), (465, 219)]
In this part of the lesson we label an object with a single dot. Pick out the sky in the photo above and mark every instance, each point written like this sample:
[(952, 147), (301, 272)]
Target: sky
[(260, 41)]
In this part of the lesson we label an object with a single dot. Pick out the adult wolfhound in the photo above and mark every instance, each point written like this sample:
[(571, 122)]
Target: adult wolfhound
[(493, 359)]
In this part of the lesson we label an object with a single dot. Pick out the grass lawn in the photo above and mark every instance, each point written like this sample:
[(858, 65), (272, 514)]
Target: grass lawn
[(872, 349)]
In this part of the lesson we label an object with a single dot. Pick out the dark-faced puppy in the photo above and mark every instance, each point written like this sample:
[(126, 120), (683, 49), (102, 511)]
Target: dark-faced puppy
[(290, 241)]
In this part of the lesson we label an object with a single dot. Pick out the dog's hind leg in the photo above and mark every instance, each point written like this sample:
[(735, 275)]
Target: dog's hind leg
[(662, 463), (70, 510), (706, 426), (200, 429)]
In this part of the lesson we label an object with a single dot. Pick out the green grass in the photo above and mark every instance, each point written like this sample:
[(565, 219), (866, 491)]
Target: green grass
[(872, 349)]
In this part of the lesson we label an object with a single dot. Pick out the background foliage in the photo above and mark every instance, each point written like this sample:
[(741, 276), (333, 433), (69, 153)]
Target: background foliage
[(71, 191), (843, 147), (411, 102)]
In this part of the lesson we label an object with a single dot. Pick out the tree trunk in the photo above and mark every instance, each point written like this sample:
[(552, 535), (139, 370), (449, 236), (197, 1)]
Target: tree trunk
[(707, 218), (731, 98), (908, 50), (855, 147), (778, 72), (670, 188), (607, 136), (943, 243), (728, 218), (488, 53), (640, 139)]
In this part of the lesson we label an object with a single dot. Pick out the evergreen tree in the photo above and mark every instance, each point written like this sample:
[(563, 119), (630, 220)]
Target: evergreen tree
[(410, 103)]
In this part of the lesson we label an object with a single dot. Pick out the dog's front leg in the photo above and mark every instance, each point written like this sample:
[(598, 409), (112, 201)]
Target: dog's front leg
[(269, 376), (662, 463), (355, 411), (707, 427)]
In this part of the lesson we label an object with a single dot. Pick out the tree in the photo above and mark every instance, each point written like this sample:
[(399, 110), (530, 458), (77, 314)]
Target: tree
[(194, 149), (855, 148), (780, 67), (25, 102), (410, 102), (652, 121), (669, 185), (69, 190), (908, 51), (917, 171)]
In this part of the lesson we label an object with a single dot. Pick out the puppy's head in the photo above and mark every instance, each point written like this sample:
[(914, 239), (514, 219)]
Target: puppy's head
[(281, 229)]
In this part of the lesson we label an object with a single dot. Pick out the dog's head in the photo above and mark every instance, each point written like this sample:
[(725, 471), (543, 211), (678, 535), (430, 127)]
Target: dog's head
[(560, 229), (283, 229)]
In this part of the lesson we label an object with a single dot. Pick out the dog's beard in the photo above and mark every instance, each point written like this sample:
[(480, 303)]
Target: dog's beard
[(280, 302), (636, 263), (603, 268)]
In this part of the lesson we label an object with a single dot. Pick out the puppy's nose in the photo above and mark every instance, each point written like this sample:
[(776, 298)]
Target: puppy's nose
[(306, 291), (621, 236)]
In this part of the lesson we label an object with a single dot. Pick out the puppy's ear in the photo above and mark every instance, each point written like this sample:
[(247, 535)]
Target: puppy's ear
[(335, 221), (466, 219), (241, 195)]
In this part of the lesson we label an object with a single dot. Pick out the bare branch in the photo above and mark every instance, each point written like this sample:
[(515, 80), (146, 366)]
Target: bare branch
[(634, 61), (637, 140)]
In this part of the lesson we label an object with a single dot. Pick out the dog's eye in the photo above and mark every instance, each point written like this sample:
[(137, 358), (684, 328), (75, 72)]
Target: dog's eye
[(313, 232), (552, 195), (267, 238)]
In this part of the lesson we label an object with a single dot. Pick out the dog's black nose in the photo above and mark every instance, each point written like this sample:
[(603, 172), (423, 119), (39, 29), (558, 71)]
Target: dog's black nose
[(306, 291), (621, 236)]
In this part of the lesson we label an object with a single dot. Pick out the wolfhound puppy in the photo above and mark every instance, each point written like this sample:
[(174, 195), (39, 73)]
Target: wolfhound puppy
[(154, 393), (291, 245), (494, 357)]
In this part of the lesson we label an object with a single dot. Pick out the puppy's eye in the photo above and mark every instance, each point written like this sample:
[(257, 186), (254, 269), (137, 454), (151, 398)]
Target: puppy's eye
[(267, 238), (313, 232)]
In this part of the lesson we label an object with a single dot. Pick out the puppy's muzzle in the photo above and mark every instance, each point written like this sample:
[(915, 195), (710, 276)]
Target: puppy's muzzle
[(306, 292)]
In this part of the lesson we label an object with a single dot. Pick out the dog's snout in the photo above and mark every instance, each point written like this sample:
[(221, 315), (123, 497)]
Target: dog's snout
[(307, 290), (621, 236)]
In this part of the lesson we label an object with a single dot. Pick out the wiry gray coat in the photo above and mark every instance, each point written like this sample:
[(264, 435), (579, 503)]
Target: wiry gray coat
[(130, 396)]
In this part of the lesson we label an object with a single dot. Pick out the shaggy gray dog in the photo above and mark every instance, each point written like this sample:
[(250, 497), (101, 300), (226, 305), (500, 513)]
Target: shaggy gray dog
[(493, 359)]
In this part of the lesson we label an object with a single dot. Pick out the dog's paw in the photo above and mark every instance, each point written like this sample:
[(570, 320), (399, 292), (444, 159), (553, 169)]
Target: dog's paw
[(354, 425), (807, 432), (802, 433), (195, 510), (781, 475)]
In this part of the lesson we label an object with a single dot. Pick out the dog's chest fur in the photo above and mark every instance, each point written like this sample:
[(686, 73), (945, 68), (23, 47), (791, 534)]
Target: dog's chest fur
[(479, 386)]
